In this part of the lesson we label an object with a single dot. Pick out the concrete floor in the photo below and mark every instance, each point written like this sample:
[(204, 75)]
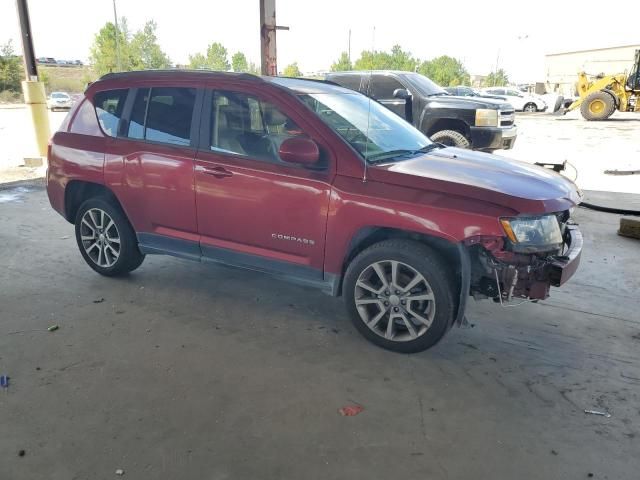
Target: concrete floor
[(184, 370)]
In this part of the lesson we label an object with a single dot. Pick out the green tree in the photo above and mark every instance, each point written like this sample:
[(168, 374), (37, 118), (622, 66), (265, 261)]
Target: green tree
[(401, 60), (342, 64), (292, 70), (197, 61), (215, 58), (372, 61), (145, 50), (397, 59), (104, 54), (446, 71), (497, 78), (239, 62), (10, 68)]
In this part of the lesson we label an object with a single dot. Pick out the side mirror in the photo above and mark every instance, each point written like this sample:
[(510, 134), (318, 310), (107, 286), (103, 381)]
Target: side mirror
[(300, 150), (401, 93)]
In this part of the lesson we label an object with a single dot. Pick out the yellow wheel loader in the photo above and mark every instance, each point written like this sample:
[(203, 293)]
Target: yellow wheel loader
[(603, 95)]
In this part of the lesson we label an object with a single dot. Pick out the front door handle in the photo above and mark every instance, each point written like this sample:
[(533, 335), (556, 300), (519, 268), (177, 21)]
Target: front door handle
[(218, 172)]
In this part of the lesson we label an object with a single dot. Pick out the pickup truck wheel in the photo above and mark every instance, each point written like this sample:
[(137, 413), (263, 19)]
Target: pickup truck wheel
[(451, 138), (399, 295), (106, 239), (530, 107)]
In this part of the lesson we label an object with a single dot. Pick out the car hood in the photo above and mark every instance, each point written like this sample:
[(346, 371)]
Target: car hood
[(471, 102), (518, 186)]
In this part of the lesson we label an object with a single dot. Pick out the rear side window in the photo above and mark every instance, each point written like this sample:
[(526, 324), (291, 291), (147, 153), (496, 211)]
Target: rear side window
[(109, 105), (383, 86), (163, 115), (347, 81)]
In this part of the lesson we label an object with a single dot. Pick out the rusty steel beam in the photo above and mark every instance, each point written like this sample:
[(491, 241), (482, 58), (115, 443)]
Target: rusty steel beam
[(268, 27)]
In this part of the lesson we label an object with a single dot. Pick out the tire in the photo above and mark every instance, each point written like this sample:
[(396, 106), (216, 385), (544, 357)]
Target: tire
[(598, 106), (451, 138), (382, 317), (530, 107), (111, 249)]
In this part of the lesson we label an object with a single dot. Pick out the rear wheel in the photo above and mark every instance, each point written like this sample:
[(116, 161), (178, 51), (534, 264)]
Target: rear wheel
[(399, 295), (530, 107), (105, 238), (598, 106), (451, 138)]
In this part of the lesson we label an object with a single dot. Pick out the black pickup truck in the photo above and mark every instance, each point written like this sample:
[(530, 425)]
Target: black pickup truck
[(467, 122)]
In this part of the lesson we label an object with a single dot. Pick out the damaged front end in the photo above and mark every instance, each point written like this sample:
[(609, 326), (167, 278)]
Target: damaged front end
[(527, 261)]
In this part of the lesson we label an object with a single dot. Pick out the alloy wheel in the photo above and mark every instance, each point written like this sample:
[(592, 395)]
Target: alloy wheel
[(100, 237), (395, 301)]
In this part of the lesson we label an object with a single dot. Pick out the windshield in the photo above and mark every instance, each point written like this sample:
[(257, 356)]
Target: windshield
[(59, 95), (424, 85), (380, 134)]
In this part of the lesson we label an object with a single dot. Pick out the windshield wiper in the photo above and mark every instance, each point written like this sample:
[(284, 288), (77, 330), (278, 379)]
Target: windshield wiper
[(382, 156)]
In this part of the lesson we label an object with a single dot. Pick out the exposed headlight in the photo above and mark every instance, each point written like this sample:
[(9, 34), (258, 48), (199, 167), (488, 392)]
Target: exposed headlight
[(486, 117), (533, 234)]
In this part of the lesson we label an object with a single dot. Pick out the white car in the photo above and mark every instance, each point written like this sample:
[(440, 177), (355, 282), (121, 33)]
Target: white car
[(521, 101), (59, 100)]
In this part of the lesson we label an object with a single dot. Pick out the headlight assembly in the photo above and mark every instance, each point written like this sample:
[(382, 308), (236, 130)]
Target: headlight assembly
[(533, 234), (486, 117)]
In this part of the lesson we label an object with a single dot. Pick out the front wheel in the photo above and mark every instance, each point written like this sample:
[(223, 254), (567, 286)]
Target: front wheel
[(399, 295), (451, 138), (106, 239), (530, 107)]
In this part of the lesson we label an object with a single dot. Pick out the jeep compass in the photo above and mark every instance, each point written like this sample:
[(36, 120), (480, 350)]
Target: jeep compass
[(312, 183)]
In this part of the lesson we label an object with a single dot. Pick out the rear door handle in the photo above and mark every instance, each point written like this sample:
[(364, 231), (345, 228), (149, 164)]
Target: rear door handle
[(218, 172)]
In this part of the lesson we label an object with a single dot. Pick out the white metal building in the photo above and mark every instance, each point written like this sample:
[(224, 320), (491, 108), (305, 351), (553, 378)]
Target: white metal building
[(561, 69)]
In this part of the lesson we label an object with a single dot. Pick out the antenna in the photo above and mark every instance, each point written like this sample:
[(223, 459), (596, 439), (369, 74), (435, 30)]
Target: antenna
[(366, 144)]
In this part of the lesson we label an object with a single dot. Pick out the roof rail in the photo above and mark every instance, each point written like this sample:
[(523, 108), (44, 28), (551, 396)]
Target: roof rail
[(318, 80), (150, 73)]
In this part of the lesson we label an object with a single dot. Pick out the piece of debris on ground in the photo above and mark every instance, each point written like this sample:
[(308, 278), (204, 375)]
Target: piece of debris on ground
[(350, 410)]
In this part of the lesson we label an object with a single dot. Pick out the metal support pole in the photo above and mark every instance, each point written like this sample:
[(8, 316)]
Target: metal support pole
[(34, 94), (268, 57), (115, 19), (268, 27)]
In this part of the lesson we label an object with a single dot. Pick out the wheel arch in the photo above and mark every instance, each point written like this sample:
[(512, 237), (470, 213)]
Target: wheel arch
[(455, 124), (77, 191), (455, 254)]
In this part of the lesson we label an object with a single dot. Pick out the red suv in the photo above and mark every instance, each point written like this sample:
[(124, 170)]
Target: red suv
[(312, 183)]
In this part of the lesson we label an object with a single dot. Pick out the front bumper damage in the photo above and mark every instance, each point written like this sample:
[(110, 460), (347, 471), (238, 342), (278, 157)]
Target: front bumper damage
[(504, 275)]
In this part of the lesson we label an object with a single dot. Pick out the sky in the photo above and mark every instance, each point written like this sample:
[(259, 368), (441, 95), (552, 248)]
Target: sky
[(478, 33)]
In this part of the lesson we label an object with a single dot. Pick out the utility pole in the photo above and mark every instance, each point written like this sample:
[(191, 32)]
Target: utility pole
[(115, 19), (33, 90), (268, 27)]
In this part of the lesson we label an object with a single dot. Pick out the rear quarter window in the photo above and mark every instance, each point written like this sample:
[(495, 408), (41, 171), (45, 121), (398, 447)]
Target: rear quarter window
[(84, 121), (109, 105)]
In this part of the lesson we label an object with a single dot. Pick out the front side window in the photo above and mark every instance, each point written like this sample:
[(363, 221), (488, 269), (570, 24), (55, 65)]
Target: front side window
[(383, 86), (109, 106), (371, 129), (245, 125), (163, 114)]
